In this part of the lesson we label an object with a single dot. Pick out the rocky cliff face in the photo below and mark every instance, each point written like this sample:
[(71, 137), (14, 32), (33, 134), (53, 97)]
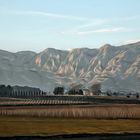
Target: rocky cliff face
[(116, 68)]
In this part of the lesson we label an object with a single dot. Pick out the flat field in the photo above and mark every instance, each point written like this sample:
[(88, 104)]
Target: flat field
[(68, 116), (41, 126)]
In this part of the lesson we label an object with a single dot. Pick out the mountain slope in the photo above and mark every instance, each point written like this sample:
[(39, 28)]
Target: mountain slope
[(116, 68)]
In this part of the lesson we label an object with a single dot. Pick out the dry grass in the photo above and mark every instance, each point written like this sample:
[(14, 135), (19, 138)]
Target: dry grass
[(94, 112), (31, 126)]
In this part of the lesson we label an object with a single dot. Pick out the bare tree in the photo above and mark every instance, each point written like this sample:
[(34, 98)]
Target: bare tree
[(96, 88)]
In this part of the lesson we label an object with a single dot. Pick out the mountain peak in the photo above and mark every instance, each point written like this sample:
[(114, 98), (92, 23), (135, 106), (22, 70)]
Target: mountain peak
[(106, 46)]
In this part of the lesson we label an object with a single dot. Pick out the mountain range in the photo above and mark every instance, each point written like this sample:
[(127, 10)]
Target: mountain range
[(116, 68)]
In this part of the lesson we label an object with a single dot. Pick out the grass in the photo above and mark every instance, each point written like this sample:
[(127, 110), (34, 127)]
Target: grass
[(85, 111), (34, 126)]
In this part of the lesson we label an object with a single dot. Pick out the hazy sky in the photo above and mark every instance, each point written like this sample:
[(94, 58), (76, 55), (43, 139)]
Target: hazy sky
[(65, 24)]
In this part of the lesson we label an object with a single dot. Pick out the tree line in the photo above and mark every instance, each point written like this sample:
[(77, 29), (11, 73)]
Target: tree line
[(13, 91), (60, 91)]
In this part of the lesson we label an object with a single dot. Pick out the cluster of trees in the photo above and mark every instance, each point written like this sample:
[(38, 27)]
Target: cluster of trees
[(75, 92), (5, 90), (128, 95), (12, 91), (60, 91), (94, 89)]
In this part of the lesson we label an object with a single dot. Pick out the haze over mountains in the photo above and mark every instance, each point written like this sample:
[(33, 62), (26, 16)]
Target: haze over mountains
[(116, 68)]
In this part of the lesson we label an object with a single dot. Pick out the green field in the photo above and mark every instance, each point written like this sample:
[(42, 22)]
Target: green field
[(34, 126)]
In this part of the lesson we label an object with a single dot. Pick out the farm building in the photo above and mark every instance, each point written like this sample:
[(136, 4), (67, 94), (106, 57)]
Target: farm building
[(87, 92)]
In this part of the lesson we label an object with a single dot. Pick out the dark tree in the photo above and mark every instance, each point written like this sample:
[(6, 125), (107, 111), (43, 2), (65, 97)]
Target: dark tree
[(71, 92), (128, 96), (58, 91), (9, 87), (109, 93), (9, 90), (80, 92), (5, 90), (75, 92), (2, 90), (137, 96)]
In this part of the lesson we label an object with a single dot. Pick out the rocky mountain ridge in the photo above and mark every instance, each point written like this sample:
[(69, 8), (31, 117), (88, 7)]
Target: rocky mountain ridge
[(117, 68)]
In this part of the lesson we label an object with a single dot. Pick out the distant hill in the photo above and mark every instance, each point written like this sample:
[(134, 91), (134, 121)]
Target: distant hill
[(117, 68)]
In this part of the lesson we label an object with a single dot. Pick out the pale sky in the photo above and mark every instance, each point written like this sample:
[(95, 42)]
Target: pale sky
[(65, 24)]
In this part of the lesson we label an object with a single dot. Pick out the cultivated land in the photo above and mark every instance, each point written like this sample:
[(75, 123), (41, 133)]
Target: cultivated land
[(34, 126), (52, 100), (52, 115), (110, 111)]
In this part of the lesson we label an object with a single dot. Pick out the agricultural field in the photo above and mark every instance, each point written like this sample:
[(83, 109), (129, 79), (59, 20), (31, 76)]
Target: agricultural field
[(66, 100), (34, 126), (115, 111), (58, 116), (94, 107)]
